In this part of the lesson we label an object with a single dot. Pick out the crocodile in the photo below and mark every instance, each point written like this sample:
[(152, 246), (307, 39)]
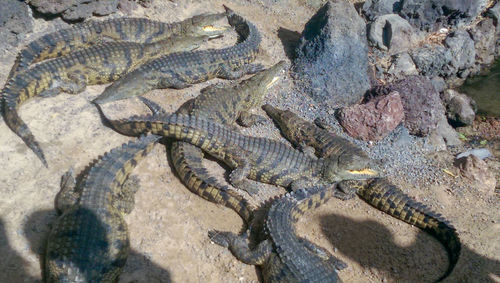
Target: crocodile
[(377, 192), (224, 105), (180, 70), (260, 159), (97, 64), (311, 138), (282, 255), (89, 241), (139, 30)]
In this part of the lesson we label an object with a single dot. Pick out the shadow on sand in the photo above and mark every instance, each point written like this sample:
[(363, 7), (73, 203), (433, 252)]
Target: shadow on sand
[(139, 268), (424, 260)]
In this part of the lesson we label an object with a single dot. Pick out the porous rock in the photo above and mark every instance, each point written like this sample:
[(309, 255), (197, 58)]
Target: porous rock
[(402, 66), (332, 56), (72, 10), (432, 60), (15, 22), (483, 35), (373, 120), (460, 109), (391, 32), (430, 15), (421, 103), (462, 51), (374, 8)]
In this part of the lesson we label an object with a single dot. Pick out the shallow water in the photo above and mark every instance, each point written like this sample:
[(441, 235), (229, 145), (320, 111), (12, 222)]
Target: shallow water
[(485, 90)]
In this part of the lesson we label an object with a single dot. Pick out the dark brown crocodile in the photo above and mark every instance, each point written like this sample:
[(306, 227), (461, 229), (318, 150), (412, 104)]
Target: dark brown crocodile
[(378, 192), (89, 242), (283, 256), (179, 70), (259, 159), (97, 64), (83, 35)]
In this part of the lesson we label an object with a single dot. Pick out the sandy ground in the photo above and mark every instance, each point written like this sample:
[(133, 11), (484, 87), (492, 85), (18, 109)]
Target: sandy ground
[(168, 227)]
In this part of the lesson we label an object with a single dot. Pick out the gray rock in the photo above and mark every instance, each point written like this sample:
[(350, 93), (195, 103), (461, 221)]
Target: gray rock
[(480, 153), (374, 8), (459, 107), (477, 170), (462, 51), (75, 9), (375, 119), (15, 22), (332, 61), (402, 66), (438, 83), (449, 135), (432, 60), (483, 35), (421, 103), (435, 142), (391, 32), (431, 15)]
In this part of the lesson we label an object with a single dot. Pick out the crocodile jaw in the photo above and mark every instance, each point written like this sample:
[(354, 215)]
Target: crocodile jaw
[(273, 81), (367, 172)]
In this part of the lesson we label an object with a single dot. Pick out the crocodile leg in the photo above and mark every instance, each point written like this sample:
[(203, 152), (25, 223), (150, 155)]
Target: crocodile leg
[(238, 177), (172, 82), (73, 84), (247, 119), (308, 150), (125, 201), (238, 246)]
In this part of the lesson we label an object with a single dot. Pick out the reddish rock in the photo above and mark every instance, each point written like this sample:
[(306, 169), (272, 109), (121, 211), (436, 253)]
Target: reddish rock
[(373, 120), (421, 102)]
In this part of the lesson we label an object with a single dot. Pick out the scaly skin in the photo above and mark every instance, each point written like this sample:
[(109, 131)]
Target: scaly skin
[(391, 200), (83, 35), (283, 256), (223, 105), (73, 72), (89, 242), (180, 70), (259, 159), (379, 192), (304, 133)]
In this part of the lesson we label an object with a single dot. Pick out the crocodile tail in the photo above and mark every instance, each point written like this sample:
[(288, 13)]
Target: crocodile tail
[(187, 160), (391, 200), (17, 125)]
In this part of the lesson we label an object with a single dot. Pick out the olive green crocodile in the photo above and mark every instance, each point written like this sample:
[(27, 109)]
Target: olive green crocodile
[(379, 192), (71, 73), (83, 35), (283, 256), (224, 105), (179, 70), (89, 242), (259, 159)]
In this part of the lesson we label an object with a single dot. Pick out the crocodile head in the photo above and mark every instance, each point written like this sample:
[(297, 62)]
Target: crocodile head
[(294, 128), (348, 166), (132, 84), (261, 82), (204, 25)]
